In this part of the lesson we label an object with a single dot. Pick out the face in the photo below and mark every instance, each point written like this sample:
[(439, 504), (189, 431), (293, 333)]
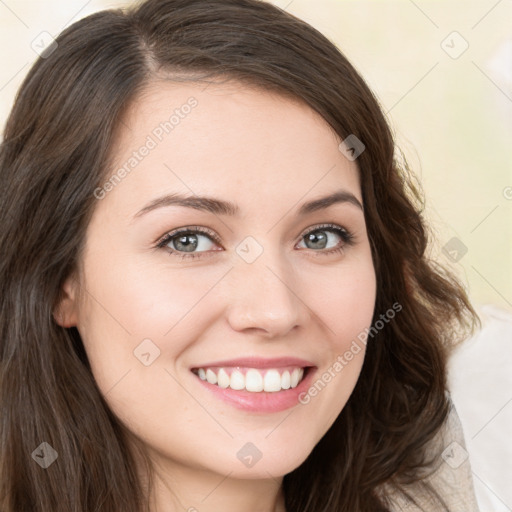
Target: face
[(261, 279)]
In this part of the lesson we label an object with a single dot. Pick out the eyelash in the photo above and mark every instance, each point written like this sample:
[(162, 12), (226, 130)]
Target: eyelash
[(345, 235)]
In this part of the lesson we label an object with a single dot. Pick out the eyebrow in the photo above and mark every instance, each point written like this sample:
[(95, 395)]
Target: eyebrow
[(220, 207)]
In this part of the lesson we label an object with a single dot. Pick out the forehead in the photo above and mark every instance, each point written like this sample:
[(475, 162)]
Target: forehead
[(225, 140)]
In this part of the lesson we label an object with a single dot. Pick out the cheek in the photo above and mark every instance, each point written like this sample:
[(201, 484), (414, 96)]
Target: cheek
[(135, 313), (143, 300), (161, 299), (353, 310), (345, 305), (344, 299)]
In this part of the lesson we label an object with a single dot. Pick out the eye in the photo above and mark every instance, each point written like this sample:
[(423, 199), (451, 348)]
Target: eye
[(327, 239), (187, 242), (195, 241)]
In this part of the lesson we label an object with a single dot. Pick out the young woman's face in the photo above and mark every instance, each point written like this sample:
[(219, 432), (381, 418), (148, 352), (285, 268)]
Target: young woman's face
[(249, 278)]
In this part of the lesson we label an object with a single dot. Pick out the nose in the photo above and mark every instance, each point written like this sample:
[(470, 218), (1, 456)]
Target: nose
[(265, 297)]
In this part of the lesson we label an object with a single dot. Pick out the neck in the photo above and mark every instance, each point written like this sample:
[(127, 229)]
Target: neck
[(178, 487), (202, 491)]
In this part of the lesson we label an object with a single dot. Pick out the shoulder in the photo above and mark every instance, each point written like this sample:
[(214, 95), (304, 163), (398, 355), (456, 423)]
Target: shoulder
[(450, 480)]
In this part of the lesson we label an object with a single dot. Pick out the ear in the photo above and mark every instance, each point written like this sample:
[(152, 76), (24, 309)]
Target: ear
[(65, 312)]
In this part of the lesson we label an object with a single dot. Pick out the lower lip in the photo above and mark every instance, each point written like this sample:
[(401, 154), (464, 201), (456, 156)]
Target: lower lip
[(262, 401)]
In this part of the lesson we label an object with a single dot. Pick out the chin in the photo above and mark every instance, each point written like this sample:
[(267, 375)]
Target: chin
[(272, 466)]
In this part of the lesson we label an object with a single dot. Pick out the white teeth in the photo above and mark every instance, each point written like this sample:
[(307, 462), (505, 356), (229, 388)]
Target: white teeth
[(272, 381), (222, 378), (285, 380), (253, 380), (211, 377), (237, 380), (294, 378)]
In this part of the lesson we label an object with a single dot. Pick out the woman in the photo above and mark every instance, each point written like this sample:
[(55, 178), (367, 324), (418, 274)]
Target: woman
[(216, 294)]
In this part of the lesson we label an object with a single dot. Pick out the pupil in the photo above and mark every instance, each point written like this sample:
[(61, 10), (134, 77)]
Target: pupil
[(186, 244), (319, 239)]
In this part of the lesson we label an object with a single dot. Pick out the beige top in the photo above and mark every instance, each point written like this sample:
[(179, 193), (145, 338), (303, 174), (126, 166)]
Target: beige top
[(452, 479)]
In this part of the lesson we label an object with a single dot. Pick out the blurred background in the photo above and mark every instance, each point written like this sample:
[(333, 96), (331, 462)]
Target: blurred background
[(442, 71)]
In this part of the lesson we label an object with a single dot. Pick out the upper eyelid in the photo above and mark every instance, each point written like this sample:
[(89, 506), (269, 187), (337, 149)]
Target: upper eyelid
[(332, 226), (188, 229)]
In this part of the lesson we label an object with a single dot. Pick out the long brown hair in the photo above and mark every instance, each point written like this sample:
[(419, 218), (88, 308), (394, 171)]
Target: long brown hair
[(55, 153)]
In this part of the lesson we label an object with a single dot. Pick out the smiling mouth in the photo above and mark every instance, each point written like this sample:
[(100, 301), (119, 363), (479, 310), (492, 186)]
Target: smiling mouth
[(253, 380)]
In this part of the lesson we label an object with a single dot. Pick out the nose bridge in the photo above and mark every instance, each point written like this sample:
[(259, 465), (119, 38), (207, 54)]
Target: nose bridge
[(262, 294)]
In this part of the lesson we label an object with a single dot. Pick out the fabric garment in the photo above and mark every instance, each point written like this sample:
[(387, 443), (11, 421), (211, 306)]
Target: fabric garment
[(452, 479), (480, 383)]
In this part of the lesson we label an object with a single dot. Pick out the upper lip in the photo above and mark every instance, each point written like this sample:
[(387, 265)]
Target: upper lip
[(258, 362)]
